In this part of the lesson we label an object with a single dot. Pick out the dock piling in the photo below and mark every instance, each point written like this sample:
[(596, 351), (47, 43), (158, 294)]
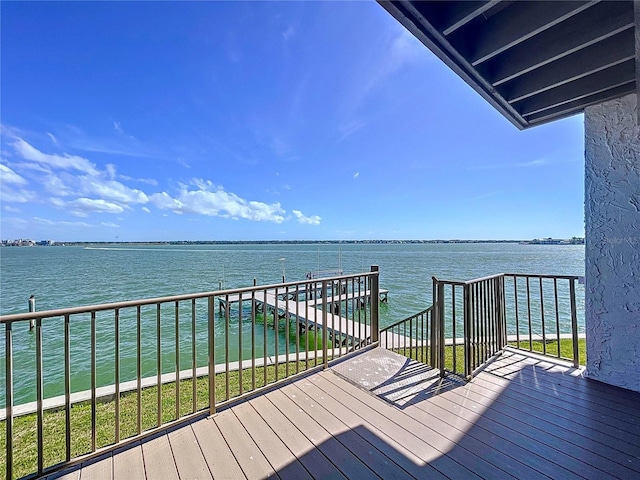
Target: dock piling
[(32, 308)]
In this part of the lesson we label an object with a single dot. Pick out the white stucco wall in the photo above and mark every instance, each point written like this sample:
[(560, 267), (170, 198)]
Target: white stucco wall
[(612, 222)]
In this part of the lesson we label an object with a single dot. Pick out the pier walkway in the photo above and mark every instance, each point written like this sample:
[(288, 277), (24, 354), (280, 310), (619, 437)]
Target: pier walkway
[(307, 313)]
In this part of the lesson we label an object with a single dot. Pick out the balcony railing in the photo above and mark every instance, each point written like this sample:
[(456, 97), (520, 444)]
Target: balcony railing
[(470, 322), (163, 361)]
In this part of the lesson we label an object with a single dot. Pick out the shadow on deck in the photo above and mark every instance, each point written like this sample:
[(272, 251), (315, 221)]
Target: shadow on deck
[(379, 415)]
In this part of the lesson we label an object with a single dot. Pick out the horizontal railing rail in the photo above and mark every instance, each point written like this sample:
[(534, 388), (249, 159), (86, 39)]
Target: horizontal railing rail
[(412, 337), (542, 314), (143, 365), (477, 319), (470, 317)]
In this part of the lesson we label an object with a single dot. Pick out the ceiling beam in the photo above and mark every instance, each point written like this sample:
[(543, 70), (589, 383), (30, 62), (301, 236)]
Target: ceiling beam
[(597, 57), (596, 24), (463, 12), (611, 77), (516, 23), (571, 108)]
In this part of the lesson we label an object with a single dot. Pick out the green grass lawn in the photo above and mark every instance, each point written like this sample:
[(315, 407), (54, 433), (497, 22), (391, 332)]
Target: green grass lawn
[(551, 346), (25, 427)]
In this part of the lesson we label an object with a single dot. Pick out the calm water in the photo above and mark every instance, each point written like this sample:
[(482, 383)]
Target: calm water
[(71, 276)]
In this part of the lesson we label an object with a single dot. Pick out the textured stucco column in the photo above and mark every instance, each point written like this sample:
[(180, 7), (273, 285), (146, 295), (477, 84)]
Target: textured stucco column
[(612, 229)]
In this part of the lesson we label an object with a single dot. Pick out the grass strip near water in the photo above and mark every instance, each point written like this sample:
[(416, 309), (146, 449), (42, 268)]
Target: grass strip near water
[(551, 346), (25, 454)]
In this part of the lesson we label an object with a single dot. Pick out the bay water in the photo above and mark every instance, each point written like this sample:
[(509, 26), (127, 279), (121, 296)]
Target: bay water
[(69, 276)]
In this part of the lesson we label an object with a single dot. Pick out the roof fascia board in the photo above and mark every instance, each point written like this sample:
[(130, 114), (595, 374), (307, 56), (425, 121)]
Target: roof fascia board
[(404, 13)]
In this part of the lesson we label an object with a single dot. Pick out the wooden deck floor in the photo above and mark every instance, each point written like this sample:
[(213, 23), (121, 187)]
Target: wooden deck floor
[(522, 417)]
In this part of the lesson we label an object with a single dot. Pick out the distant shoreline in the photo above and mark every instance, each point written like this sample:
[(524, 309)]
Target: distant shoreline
[(546, 241)]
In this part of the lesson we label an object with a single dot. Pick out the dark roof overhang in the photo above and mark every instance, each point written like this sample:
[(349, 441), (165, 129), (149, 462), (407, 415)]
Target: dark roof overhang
[(534, 61)]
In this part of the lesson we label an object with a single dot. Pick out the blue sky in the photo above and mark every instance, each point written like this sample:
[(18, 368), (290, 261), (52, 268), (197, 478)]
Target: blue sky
[(141, 121)]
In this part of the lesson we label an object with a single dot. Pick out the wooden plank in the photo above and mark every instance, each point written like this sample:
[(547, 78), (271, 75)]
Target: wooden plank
[(521, 429), (158, 459), (503, 451), (495, 408), (279, 456), (375, 459), (99, 469), (423, 442), (395, 451), (598, 444), (128, 463), (594, 405), (616, 398), (565, 406), (474, 418), (301, 447), (521, 405), (251, 460), (215, 450), (348, 463), (189, 459), (68, 474)]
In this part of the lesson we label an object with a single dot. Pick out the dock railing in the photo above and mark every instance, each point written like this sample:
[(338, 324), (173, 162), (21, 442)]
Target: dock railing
[(138, 366), (471, 322)]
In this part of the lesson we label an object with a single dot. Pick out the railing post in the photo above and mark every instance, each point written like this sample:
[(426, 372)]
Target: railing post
[(325, 336), (375, 306), (499, 306), (574, 322), (211, 348), (8, 396), (468, 311), (433, 336), (441, 329)]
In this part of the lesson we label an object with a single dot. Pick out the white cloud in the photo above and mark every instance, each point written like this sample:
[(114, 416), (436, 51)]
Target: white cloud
[(56, 185), (289, 33), (53, 138), (312, 220), (68, 224), (9, 176), (63, 223), (148, 181), (164, 201), (82, 207), (10, 209), (112, 190), (533, 163), (356, 175), (540, 162), (10, 187), (82, 188), (64, 161), (117, 127), (208, 199)]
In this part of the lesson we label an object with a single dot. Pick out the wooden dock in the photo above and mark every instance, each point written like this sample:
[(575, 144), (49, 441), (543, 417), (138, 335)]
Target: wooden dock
[(306, 312)]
